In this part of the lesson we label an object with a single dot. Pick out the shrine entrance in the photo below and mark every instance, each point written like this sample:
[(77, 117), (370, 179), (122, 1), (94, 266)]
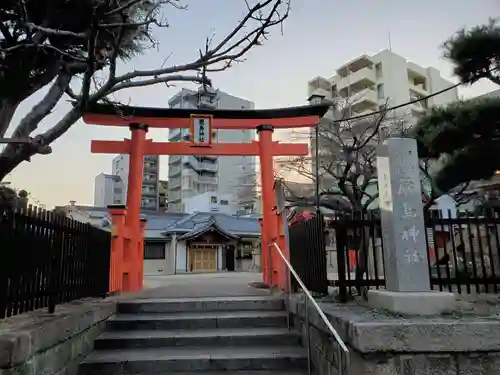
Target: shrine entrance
[(126, 273)]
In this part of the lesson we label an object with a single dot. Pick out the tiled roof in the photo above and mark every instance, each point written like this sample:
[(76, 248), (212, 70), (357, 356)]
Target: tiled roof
[(202, 228), (159, 225), (233, 224)]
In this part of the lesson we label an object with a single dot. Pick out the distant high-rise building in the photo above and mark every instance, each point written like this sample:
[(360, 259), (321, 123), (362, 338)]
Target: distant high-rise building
[(108, 190), (369, 84), (112, 188), (193, 175)]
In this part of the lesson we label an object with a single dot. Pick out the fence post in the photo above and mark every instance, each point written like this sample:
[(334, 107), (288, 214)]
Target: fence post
[(341, 244), (6, 221), (55, 253)]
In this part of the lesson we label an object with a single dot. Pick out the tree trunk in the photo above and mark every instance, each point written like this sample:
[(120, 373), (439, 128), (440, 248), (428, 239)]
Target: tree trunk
[(13, 155), (7, 110)]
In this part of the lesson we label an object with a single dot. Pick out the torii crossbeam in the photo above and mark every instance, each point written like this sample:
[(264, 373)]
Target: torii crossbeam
[(126, 272)]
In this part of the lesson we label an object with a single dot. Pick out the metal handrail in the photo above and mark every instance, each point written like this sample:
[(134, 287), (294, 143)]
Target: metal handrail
[(332, 330)]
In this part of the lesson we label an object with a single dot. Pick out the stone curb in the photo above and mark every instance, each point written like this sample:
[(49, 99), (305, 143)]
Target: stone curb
[(394, 334), (25, 335)]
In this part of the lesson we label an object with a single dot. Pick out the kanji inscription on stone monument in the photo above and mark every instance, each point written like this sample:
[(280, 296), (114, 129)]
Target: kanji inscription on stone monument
[(404, 235)]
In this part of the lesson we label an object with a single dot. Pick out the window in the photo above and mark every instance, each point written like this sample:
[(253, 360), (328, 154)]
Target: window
[(380, 91), (213, 199), (224, 202), (154, 250), (378, 70)]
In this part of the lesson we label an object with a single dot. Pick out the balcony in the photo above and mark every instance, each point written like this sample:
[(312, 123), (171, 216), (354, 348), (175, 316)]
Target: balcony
[(207, 180), (174, 171), (198, 166), (365, 100), (423, 103), (149, 194), (150, 179), (173, 159), (355, 65), (150, 167), (320, 86), (357, 81), (417, 81), (175, 186)]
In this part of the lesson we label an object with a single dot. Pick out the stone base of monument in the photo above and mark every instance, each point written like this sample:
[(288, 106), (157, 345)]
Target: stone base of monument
[(412, 303)]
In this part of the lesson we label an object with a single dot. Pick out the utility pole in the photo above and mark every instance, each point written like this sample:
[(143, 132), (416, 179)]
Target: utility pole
[(315, 100)]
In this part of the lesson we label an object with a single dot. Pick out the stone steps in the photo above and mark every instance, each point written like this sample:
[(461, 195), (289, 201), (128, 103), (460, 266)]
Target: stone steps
[(163, 360), (234, 335), (201, 304), (198, 338), (198, 320)]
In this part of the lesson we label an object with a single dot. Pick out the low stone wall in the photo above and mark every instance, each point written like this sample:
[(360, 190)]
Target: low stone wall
[(39, 343), (381, 343)]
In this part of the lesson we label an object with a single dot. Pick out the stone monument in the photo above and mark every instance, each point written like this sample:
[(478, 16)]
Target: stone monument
[(404, 235)]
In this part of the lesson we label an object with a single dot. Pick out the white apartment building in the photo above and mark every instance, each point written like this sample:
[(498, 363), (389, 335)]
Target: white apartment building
[(112, 189), (211, 202), (191, 175), (368, 83), (371, 81)]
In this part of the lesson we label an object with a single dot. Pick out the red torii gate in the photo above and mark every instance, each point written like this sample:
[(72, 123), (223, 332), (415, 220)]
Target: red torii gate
[(126, 273)]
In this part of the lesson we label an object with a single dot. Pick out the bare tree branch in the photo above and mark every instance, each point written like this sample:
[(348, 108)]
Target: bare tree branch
[(90, 50)]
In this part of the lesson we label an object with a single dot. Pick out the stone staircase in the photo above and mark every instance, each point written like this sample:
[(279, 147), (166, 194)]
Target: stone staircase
[(247, 335)]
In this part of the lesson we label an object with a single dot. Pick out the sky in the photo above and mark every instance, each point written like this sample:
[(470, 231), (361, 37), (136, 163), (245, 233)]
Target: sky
[(319, 36)]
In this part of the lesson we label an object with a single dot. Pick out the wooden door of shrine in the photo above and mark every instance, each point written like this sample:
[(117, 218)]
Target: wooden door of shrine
[(203, 259)]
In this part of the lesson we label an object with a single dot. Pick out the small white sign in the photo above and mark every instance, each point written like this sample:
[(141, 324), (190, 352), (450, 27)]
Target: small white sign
[(201, 130)]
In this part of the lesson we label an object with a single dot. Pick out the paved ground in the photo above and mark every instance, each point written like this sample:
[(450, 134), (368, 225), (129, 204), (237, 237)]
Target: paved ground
[(202, 285)]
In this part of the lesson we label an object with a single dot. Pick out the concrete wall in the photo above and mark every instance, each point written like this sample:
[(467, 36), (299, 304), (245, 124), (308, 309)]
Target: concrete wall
[(39, 343), (163, 266), (384, 344)]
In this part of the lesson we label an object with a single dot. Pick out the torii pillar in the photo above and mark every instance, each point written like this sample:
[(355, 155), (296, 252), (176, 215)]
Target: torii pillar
[(269, 228)]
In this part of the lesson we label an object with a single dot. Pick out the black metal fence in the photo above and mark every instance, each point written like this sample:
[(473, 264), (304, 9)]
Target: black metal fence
[(463, 252), (48, 259), (307, 254)]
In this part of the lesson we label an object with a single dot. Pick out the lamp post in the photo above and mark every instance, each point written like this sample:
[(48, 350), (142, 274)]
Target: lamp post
[(316, 99)]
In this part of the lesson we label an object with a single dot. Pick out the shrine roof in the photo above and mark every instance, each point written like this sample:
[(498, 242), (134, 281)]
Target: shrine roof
[(236, 225), (160, 225), (210, 225)]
